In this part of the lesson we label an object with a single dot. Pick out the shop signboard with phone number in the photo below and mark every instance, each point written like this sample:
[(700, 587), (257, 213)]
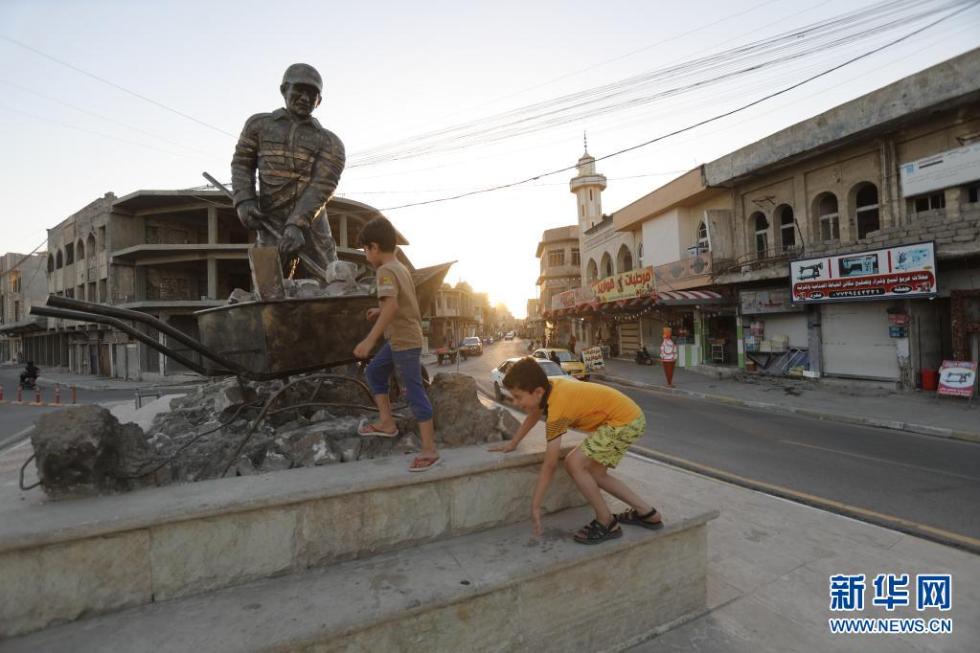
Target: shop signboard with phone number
[(904, 272)]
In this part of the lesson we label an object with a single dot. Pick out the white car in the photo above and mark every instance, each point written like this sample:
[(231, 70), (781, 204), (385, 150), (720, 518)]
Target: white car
[(551, 369)]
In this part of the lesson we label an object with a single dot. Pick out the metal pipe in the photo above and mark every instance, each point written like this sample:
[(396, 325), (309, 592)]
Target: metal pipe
[(66, 314), (136, 316)]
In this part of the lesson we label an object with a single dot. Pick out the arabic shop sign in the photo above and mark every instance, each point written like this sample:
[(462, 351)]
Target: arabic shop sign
[(625, 285), (571, 298), (896, 272), (592, 357)]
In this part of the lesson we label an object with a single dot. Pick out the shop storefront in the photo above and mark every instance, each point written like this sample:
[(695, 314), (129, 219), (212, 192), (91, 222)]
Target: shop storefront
[(773, 332), (866, 302)]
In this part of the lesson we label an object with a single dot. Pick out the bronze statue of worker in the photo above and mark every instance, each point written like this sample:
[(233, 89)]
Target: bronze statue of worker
[(299, 165)]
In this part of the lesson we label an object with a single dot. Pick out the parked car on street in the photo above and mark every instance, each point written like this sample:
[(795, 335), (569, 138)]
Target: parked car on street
[(509, 335), (551, 369), (569, 362), (472, 346)]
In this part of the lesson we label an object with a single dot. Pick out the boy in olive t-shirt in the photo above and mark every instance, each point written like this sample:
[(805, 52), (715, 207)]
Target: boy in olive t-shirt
[(398, 318)]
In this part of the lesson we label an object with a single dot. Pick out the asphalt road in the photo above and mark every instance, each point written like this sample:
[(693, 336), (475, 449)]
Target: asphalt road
[(14, 419), (919, 483)]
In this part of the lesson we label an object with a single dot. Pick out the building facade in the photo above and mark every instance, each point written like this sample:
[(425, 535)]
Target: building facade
[(684, 229), (23, 283), (560, 265), (840, 222), (453, 314)]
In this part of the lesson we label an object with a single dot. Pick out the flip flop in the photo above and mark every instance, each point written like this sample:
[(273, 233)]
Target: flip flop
[(366, 429), (432, 461)]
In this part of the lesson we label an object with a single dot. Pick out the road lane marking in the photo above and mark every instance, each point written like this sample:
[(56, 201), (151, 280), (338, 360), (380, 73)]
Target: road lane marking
[(879, 518), (883, 460)]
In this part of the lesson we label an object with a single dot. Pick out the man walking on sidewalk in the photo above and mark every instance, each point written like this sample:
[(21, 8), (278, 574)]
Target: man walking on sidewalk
[(668, 356)]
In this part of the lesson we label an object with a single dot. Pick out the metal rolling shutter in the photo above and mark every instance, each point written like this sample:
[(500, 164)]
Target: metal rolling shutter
[(855, 341), (629, 338)]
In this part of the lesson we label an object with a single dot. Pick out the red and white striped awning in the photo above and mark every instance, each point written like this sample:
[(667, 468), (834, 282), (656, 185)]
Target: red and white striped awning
[(688, 297)]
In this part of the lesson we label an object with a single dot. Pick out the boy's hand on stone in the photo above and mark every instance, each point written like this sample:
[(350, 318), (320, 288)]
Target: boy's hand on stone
[(536, 521), (363, 350), (504, 447), (373, 313)]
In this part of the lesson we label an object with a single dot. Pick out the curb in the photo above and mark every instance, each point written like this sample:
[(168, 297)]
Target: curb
[(894, 425), (16, 438)]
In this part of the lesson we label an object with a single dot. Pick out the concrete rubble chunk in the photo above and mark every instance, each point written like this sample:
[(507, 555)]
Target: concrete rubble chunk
[(84, 450), (459, 416)]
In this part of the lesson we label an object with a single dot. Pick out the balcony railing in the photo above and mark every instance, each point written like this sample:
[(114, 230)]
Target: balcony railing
[(761, 260)]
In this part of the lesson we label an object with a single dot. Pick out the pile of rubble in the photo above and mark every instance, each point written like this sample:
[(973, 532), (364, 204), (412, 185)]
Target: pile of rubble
[(234, 427), (343, 278)]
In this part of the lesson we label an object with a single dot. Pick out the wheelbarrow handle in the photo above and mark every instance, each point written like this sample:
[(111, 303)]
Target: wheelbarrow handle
[(305, 258)]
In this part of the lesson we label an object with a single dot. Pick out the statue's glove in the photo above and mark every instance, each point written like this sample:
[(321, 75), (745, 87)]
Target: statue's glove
[(292, 240), (250, 215)]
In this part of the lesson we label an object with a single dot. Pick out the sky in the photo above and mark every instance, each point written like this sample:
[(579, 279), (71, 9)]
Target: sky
[(102, 96)]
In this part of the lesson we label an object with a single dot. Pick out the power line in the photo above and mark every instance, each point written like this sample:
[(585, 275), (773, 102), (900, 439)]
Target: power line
[(724, 66), (115, 85), (699, 123), (24, 258), (92, 132), (100, 116)]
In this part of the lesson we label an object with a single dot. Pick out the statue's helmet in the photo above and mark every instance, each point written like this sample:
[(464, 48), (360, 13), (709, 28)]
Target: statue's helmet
[(301, 73)]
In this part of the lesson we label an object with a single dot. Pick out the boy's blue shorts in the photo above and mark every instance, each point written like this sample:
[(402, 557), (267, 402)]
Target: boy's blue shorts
[(408, 362)]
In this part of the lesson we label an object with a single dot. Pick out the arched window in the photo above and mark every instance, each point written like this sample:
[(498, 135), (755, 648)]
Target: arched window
[(80, 249), (866, 210), (704, 244), (825, 208), (59, 262), (606, 267), (760, 226), (787, 227), (69, 254), (591, 271), (639, 254), (90, 245), (50, 263), (624, 259)]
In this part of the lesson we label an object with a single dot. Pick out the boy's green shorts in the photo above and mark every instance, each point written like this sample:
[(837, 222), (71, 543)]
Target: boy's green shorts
[(607, 444)]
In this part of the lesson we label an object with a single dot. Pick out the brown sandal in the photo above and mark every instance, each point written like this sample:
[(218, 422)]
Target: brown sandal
[(595, 533)]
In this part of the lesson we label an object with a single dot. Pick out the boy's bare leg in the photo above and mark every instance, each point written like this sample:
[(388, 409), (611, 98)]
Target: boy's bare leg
[(386, 420), (427, 432), (577, 464), (618, 489)]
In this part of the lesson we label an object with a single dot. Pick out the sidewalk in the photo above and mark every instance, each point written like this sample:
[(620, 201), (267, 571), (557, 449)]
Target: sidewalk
[(915, 412), (769, 566), (49, 379)]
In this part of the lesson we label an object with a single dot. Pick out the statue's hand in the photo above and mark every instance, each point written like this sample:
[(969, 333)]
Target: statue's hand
[(292, 240), (250, 215)]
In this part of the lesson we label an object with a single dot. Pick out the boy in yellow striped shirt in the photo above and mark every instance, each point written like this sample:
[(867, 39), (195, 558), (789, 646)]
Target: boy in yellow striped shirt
[(613, 422)]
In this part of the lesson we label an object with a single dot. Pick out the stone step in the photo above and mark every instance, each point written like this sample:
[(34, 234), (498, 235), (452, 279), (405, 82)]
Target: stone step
[(496, 590), (60, 560)]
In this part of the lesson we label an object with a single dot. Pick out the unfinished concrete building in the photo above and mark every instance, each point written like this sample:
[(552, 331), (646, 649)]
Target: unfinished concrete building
[(22, 284)]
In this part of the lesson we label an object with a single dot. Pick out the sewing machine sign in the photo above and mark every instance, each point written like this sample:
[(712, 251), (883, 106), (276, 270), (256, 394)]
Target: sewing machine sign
[(906, 271), (958, 378)]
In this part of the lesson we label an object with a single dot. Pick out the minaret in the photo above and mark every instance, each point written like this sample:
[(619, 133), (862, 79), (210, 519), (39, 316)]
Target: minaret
[(588, 187)]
